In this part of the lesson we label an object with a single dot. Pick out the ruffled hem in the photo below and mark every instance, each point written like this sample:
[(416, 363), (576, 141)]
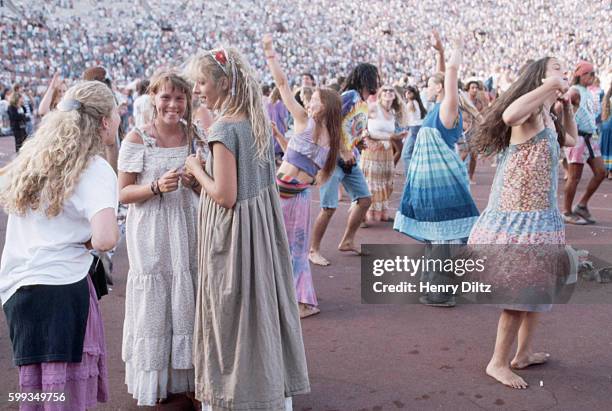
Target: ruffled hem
[(483, 235), (379, 206), (131, 157), (131, 167), (85, 383), (521, 223), (284, 403), (156, 353), (148, 386), (434, 230), (152, 277), (59, 373)]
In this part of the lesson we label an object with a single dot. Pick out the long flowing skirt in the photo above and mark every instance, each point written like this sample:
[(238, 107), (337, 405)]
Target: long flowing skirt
[(377, 166), (296, 213), (248, 350), (436, 203)]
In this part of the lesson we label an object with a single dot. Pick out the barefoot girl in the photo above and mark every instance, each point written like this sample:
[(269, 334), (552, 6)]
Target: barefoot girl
[(523, 207), (313, 147)]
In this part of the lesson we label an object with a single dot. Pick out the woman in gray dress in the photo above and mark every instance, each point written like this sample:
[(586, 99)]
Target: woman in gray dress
[(248, 349)]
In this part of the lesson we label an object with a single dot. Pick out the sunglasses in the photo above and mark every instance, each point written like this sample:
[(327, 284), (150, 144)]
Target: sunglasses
[(388, 90)]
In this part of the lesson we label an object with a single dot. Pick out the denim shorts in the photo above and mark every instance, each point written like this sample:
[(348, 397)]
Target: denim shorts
[(354, 183)]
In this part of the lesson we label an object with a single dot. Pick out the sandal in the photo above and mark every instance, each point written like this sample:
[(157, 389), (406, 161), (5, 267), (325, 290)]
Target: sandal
[(583, 212), (574, 219)]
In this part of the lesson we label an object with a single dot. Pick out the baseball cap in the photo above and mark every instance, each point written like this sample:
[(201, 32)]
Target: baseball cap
[(583, 67)]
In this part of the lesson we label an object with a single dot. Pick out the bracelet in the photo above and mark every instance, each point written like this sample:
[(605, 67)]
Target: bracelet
[(271, 56), (153, 188), (158, 189)]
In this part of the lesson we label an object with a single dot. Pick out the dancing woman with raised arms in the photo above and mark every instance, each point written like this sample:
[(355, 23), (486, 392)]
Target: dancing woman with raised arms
[(310, 155)]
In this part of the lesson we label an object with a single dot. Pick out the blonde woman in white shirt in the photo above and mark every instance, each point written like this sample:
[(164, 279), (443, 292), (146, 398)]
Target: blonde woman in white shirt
[(377, 159), (61, 197)]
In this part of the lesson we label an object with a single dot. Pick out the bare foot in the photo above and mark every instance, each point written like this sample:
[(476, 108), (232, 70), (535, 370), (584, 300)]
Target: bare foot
[(307, 310), (350, 247), (518, 363), (506, 376), (315, 257)]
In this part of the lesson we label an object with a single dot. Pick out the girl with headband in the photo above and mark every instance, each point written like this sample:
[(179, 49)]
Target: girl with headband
[(248, 349)]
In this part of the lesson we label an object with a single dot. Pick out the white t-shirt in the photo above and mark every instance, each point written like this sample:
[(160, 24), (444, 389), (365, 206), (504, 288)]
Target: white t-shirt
[(51, 251)]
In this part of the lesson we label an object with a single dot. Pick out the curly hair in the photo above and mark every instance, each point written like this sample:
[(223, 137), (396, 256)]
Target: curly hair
[(363, 76), (49, 165), (247, 99)]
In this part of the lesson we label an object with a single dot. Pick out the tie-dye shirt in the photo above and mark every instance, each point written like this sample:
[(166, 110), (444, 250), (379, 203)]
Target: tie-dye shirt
[(354, 118)]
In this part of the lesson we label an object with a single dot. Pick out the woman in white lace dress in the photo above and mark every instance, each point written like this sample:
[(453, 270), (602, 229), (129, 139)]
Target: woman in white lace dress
[(161, 244)]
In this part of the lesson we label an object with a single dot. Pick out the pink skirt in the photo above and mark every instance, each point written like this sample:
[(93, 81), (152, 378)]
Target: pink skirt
[(82, 384)]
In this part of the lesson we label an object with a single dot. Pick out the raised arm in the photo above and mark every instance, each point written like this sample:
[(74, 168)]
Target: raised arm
[(437, 44), (298, 112), (523, 107), (449, 108), (45, 104)]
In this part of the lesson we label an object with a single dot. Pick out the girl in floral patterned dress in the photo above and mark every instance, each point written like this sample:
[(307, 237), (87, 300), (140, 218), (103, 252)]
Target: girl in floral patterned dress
[(523, 206)]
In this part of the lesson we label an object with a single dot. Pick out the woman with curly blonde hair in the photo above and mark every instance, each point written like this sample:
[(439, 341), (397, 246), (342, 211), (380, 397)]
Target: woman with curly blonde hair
[(248, 349), (61, 197)]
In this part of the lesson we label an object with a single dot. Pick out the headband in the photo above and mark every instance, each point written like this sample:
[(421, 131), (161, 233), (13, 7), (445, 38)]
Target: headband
[(69, 105), (220, 57)]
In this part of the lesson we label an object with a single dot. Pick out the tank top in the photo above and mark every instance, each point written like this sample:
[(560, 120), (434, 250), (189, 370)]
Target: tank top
[(414, 117), (379, 127), (304, 153), (450, 135)]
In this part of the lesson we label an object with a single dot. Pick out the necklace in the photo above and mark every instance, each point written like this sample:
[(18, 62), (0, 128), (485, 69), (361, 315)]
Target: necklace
[(385, 109)]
